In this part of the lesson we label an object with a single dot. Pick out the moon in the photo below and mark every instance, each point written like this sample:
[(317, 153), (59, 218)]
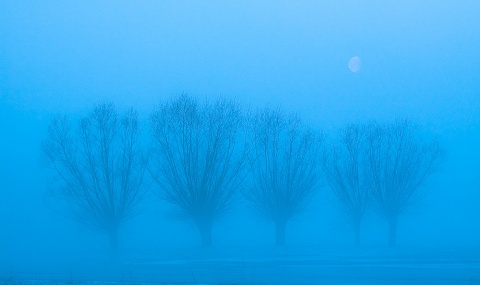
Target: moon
[(354, 64)]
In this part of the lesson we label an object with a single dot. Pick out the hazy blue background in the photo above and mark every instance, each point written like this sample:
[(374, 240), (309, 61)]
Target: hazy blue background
[(420, 59)]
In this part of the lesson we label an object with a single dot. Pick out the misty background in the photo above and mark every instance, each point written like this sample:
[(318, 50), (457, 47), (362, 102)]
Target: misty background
[(420, 60)]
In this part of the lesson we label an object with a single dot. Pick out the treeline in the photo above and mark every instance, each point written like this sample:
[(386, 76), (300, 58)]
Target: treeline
[(204, 157)]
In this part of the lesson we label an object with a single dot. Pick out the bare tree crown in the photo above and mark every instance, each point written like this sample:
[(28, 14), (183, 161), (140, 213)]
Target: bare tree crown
[(199, 156), (346, 170), (285, 164), (400, 163), (100, 164)]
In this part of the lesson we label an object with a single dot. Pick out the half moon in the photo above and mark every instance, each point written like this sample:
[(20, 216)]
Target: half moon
[(354, 64)]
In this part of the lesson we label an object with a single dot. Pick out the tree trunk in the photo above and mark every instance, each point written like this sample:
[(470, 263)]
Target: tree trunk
[(113, 235), (392, 231), (205, 230), (356, 229), (280, 232)]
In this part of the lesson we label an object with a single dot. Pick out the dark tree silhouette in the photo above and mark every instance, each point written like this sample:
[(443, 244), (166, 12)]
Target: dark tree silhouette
[(198, 158), (400, 163), (100, 165), (346, 171), (285, 167)]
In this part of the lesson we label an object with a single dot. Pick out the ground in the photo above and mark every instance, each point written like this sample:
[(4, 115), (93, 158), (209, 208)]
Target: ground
[(287, 265)]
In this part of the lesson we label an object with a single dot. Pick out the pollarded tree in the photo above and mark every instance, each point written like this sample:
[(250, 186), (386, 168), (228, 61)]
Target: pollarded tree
[(346, 170), (100, 165), (285, 167), (400, 163), (198, 158)]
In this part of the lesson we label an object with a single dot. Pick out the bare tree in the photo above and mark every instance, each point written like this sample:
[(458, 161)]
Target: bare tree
[(100, 164), (198, 158), (346, 170), (285, 167), (400, 163)]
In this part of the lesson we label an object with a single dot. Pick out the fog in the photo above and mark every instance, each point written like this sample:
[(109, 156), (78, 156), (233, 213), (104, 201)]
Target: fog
[(418, 61)]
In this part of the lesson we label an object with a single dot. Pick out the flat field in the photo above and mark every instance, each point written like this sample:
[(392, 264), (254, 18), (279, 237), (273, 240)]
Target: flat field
[(255, 265)]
